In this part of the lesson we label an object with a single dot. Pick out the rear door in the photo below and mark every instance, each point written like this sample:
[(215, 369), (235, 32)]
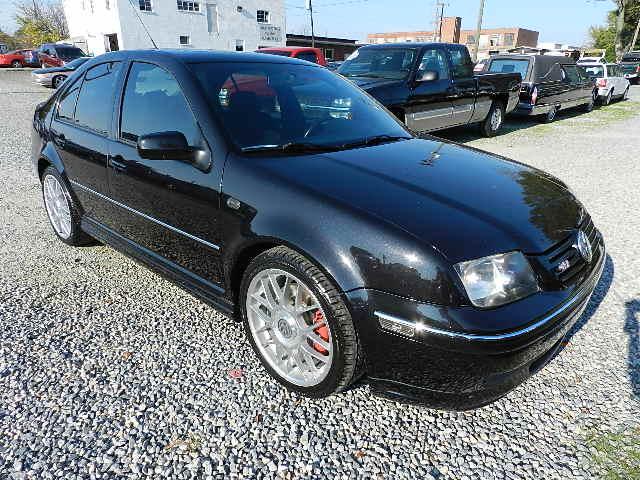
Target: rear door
[(429, 105), (80, 131), (464, 86)]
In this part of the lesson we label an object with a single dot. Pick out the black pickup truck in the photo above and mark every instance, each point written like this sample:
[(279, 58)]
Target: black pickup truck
[(431, 86)]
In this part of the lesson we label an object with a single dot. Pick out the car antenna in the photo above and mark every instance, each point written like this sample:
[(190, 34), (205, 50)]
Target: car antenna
[(143, 25)]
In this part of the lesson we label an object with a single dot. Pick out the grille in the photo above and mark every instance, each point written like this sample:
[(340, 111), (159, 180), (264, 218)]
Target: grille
[(562, 265)]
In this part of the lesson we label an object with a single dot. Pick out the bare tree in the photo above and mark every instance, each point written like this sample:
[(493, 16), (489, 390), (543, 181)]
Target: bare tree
[(41, 21)]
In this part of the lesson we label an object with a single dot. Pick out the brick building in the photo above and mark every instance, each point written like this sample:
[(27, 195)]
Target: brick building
[(494, 39), (334, 48)]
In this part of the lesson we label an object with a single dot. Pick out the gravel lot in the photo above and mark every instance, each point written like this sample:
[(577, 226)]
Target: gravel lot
[(107, 370)]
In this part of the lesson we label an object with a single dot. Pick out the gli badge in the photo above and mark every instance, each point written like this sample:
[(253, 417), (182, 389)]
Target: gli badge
[(584, 247)]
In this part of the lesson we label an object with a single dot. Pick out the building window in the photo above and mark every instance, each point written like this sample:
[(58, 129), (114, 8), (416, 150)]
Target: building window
[(509, 39), (145, 5), (188, 6), (328, 53), (91, 5), (185, 40), (239, 45), (106, 4), (263, 16), (212, 18)]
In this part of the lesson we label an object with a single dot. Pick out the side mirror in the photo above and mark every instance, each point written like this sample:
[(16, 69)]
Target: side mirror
[(164, 146), (427, 76)]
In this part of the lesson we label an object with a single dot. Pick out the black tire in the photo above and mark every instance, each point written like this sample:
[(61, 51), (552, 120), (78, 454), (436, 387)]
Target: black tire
[(625, 95), (57, 81), (551, 115), (16, 64), (488, 127), (347, 358), (608, 98), (77, 238)]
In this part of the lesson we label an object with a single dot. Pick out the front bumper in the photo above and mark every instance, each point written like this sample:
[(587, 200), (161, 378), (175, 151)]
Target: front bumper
[(44, 81), (459, 370)]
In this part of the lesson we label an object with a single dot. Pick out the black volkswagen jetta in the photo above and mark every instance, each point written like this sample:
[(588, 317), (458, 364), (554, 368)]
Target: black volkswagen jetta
[(281, 194)]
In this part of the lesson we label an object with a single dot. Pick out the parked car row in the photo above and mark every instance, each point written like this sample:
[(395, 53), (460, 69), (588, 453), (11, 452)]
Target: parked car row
[(283, 195)]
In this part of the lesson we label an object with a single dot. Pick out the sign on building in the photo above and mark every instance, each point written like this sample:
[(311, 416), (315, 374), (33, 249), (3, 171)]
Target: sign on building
[(270, 33)]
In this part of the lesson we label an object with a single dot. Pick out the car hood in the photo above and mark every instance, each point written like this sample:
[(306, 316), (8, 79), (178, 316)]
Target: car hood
[(368, 83), (464, 202)]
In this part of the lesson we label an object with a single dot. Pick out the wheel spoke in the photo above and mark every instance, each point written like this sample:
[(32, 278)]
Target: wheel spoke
[(319, 340), (262, 301), (311, 351), (268, 294), (261, 315)]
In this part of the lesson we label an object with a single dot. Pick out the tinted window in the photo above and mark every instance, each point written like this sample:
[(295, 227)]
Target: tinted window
[(389, 63), (434, 60), (308, 56), (631, 57), (281, 53), (68, 53), (461, 62), (595, 71), (275, 104), (154, 102), (95, 102), (67, 104), (572, 74), (510, 66)]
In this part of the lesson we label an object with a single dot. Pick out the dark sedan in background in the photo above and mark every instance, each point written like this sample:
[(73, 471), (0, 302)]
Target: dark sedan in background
[(549, 84), (54, 76), (279, 193)]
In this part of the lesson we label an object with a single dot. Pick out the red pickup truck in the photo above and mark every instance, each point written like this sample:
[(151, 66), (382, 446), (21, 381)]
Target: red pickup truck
[(309, 54)]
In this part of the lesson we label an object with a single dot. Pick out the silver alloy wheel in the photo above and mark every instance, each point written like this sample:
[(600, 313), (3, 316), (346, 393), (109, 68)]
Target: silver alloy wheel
[(626, 94), (289, 327), (57, 206), (496, 119)]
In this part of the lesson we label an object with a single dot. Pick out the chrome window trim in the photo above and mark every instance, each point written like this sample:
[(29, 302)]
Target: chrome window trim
[(145, 216), (575, 300)]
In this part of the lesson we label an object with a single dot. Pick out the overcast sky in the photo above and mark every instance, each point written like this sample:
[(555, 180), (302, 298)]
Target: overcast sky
[(563, 21)]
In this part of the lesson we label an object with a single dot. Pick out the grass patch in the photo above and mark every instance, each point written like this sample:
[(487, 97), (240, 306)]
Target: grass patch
[(616, 455)]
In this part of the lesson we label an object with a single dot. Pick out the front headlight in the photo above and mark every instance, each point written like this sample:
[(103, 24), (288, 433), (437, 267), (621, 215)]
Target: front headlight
[(497, 280)]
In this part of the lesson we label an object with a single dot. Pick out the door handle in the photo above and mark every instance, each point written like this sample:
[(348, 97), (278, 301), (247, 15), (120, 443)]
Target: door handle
[(117, 163)]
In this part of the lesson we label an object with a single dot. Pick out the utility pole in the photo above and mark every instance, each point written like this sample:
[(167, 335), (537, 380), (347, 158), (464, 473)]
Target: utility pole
[(438, 16), (478, 30), (313, 35)]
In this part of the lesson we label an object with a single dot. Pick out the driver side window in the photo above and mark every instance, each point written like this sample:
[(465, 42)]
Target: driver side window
[(434, 60), (153, 102)]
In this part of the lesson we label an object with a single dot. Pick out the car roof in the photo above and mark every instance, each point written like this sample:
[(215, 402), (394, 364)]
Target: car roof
[(287, 49), (202, 56), (410, 45)]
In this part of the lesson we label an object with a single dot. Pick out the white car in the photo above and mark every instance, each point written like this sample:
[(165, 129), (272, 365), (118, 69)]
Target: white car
[(609, 79)]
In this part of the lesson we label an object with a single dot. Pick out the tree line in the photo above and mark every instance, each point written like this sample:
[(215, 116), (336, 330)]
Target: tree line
[(39, 21), (621, 33)]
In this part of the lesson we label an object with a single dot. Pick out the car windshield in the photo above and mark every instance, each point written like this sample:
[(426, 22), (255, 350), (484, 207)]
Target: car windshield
[(77, 62), (510, 66), (594, 71), (281, 53), (388, 63), (69, 53), (270, 106)]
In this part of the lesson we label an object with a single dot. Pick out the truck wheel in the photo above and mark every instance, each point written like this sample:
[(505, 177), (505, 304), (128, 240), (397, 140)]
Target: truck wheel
[(16, 64), (57, 81), (626, 94), (492, 124), (550, 116), (588, 107)]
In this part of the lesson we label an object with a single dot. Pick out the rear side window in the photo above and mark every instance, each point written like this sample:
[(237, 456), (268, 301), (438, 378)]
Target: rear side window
[(461, 62), (153, 103), (67, 103), (510, 66), (434, 60), (572, 74), (95, 101), (596, 71), (308, 56)]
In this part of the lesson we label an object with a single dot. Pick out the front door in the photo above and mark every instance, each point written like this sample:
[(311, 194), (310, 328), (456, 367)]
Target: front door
[(429, 106), (80, 130), (169, 207)]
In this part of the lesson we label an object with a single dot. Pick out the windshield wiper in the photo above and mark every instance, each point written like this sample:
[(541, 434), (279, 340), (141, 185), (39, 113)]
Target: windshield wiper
[(291, 147), (376, 140)]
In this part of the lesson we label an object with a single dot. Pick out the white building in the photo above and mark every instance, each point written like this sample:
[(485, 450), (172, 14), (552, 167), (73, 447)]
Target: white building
[(99, 26)]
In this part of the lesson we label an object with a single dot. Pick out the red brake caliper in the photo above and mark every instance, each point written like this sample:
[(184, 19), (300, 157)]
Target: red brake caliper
[(323, 332)]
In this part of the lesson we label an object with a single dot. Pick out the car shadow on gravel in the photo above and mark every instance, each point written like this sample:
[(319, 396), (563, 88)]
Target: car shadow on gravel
[(597, 298), (512, 124), (632, 329)]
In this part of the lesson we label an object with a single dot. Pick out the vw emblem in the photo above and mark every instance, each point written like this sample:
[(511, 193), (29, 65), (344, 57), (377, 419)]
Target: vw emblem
[(584, 247), (285, 328)]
